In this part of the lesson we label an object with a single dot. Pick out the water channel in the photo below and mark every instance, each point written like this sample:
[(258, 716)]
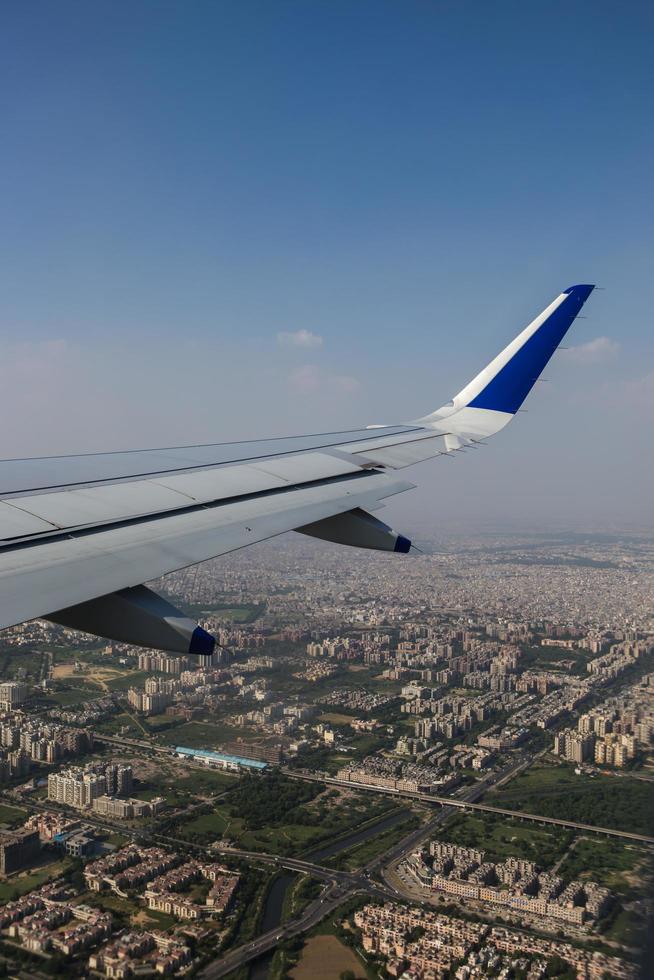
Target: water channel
[(272, 911)]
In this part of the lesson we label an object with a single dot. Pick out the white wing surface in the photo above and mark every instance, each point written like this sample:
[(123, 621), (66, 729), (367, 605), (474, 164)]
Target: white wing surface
[(80, 534)]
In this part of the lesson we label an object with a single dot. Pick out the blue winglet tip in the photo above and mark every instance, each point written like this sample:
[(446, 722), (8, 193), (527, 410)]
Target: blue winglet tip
[(402, 545), (582, 291), (202, 643)]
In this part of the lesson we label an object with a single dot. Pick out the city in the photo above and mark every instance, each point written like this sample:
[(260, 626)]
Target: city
[(326, 541), (444, 773)]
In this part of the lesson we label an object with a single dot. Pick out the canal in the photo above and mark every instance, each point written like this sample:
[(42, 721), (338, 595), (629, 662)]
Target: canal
[(272, 912)]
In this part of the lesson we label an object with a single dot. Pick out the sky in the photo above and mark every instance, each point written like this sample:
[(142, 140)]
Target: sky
[(225, 220)]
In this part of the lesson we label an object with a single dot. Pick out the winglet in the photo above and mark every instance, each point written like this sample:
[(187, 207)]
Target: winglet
[(504, 384)]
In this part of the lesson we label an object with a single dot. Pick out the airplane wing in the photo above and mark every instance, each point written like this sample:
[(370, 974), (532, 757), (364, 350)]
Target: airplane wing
[(79, 535)]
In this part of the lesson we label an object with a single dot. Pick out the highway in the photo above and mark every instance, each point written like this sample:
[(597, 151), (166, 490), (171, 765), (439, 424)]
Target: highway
[(469, 804), (133, 743), (465, 804), (339, 885), (332, 896)]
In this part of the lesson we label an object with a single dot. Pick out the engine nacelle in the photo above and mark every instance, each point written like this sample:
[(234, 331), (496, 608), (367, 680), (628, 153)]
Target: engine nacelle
[(139, 616), (360, 529)]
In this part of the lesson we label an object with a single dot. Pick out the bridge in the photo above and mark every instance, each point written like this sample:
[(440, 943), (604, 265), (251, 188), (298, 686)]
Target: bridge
[(483, 807)]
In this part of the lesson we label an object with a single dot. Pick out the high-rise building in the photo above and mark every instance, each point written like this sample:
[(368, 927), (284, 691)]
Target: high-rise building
[(17, 849), (165, 664), (20, 762), (119, 779), (11, 695), (578, 747), (75, 787)]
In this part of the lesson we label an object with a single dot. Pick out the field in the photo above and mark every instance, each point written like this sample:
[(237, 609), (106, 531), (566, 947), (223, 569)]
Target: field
[(501, 838), (237, 613), (556, 658), (176, 781), (130, 912), (11, 816), (325, 957), (334, 718), (204, 782), (126, 679), (361, 854), (306, 826), (27, 881), (199, 735), (554, 790), (618, 865)]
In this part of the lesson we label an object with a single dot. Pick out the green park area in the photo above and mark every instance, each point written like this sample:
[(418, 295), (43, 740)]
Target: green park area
[(555, 790), (130, 678), (500, 838), (280, 815), (11, 816), (17, 664), (353, 748), (123, 724), (129, 912), (246, 612), (26, 881), (619, 865), (361, 854), (198, 734), (66, 696), (556, 658)]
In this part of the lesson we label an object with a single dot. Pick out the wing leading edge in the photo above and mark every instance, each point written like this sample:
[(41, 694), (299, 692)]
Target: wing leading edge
[(79, 535)]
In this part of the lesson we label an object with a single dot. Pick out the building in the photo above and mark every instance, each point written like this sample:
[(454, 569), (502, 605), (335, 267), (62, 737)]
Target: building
[(120, 779), (220, 759), (81, 787), (78, 844), (149, 703), (263, 753), (162, 662), (615, 750), (17, 849), (11, 695), (574, 746), (128, 809), (77, 788)]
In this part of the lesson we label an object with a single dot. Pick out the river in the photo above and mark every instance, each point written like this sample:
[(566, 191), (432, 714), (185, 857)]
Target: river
[(272, 912)]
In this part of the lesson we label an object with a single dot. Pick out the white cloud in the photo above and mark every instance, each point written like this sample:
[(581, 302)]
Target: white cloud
[(299, 338), (639, 392), (345, 383), (305, 379), (310, 379), (593, 351)]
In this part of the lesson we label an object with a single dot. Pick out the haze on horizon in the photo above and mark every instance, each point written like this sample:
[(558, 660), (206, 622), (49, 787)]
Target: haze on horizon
[(226, 221)]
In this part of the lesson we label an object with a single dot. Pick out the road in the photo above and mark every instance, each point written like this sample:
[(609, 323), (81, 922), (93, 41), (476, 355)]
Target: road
[(133, 743), (331, 898), (468, 803), (340, 885)]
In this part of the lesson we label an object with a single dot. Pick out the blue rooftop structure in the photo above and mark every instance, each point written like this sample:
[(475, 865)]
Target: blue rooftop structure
[(221, 758)]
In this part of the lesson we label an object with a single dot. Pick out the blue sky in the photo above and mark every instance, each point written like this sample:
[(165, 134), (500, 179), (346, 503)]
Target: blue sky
[(257, 218)]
